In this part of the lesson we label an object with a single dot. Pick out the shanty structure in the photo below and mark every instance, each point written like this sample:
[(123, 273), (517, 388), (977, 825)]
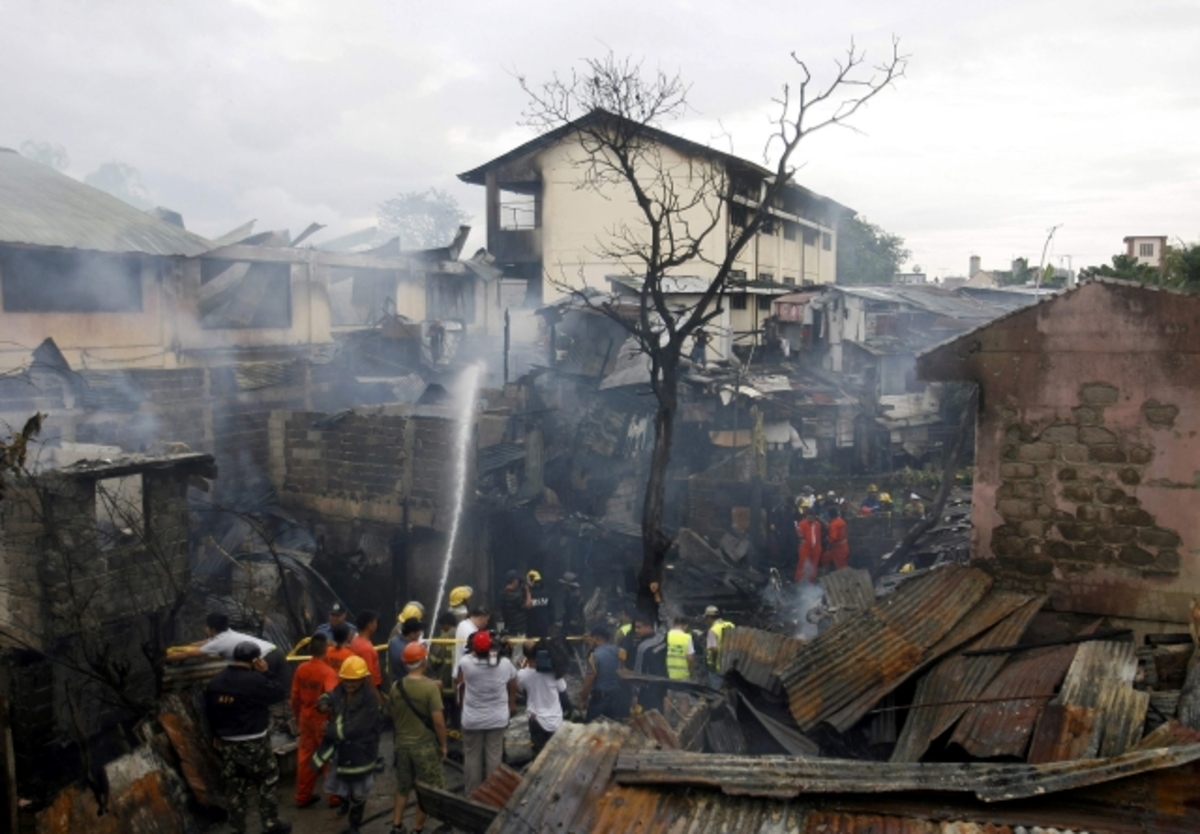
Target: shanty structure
[(1087, 448)]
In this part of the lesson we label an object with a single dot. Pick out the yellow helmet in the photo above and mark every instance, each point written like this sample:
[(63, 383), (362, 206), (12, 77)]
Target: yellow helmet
[(873, 488), (460, 595), (353, 669), (885, 497), (533, 576), (412, 611)]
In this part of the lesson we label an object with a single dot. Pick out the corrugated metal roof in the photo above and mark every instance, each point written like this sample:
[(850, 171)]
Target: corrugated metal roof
[(1101, 678), (497, 788), (847, 592), (758, 655), (497, 456), (41, 207), (949, 303), (786, 777), (959, 678), (838, 676), (1016, 695)]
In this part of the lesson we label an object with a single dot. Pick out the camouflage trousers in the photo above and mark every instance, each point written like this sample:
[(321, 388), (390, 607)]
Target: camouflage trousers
[(250, 766)]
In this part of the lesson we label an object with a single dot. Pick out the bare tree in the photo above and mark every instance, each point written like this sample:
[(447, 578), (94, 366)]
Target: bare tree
[(614, 111)]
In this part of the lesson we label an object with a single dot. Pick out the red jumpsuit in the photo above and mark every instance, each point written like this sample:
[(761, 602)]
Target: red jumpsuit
[(335, 654), (809, 531), (363, 647), (313, 678), (838, 552)]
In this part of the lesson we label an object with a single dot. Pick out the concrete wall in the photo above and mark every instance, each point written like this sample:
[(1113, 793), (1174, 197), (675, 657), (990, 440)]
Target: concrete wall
[(1088, 450)]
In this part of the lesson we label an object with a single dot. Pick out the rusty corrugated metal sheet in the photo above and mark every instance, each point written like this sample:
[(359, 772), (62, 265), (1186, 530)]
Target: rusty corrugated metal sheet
[(847, 592), (654, 727), (191, 744), (497, 788), (840, 822), (959, 678), (1016, 696), (783, 777), (837, 677), (1169, 734), (1101, 678), (758, 655)]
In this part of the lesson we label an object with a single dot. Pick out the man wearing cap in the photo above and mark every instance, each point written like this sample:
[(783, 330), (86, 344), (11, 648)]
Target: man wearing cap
[(489, 699), (314, 677), (914, 508), (237, 703), (870, 504), (514, 603), (415, 703), (337, 614), (717, 626), (572, 621), (351, 737), (540, 616), (459, 597)]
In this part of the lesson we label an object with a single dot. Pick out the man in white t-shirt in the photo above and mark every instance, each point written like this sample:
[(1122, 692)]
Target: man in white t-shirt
[(477, 619), (221, 642), (542, 690)]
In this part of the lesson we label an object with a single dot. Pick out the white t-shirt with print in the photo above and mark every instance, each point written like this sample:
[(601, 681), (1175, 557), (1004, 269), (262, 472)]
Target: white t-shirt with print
[(485, 701), (541, 697), (225, 642)]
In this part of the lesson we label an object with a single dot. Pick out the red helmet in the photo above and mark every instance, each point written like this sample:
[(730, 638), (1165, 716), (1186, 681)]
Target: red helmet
[(481, 642), (414, 653)]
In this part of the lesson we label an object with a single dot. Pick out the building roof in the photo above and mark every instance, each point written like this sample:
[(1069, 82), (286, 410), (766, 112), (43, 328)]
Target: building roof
[(41, 207), (954, 304), (477, 176), (698, 285)]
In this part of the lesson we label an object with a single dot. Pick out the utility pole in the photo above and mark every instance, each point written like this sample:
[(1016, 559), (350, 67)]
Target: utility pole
[(1037, 283)]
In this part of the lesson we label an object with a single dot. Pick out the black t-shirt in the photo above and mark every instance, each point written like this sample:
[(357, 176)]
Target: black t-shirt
[(513, 611)]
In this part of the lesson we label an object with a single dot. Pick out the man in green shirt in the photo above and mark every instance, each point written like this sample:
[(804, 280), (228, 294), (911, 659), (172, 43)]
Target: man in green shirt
[(415, 702)]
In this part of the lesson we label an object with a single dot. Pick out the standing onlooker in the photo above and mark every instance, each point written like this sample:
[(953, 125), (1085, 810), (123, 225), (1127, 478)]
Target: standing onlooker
[(314, 677), (238, 703), (415, 703), (221, 640), (602, 684), (649, 658), (717, 626), (352, 737), (411, 631), (540, 615), (337, 616), (489, 700), (478, 619), (572, 621), (811, 534), (363, 644), (837, 551), (514, 602), (339, 650), (543, 691)]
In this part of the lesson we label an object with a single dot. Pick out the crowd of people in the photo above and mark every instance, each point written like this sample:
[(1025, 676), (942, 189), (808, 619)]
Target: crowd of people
[(466, 677)]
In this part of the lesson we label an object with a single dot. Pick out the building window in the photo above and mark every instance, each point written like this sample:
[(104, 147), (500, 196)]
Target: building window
[(768, 226), (810, 236), (737, 301), (120, 511), (1146, 250), (789, 230), (737, 217), (36, 281), (245, 294), (764, 302), (766, 276), (790, 280), (737, 275), (826, 241), (517, 211)]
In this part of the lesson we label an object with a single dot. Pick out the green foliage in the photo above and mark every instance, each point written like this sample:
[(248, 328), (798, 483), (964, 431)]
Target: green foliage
[(866, 254), (422, 219), (1125, 267), (1183, 266)]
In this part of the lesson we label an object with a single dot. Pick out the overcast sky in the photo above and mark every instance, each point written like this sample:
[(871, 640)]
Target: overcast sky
[(1014, 116)]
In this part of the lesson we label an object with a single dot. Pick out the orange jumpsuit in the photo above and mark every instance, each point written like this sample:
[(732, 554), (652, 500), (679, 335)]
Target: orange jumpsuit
[(313, 678), (809, 531), (334, 656), (838, 552), (363, 647)]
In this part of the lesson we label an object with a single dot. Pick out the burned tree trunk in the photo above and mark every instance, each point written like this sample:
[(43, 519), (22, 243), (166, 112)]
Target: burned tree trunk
[(655, 542)]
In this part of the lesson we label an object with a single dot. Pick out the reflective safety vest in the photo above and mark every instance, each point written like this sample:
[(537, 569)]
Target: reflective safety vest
[(677, 654), (718, 629)]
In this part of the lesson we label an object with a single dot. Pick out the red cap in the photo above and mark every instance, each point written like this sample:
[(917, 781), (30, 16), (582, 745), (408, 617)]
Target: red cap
[(481, 642)]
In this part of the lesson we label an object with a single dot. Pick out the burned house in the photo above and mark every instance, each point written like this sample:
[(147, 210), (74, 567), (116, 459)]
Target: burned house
[(94, 568), (1085, 448), (543, 224)]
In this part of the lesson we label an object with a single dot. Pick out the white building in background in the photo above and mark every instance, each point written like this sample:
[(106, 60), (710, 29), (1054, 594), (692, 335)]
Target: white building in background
[(1150, 250), (547, 226)]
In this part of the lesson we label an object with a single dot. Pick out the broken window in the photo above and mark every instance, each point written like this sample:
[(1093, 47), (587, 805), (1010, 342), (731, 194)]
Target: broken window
[(810, 236), (39, 281), (518, 211), (826, 241), (245, 294), (738, 217), (120, 511)]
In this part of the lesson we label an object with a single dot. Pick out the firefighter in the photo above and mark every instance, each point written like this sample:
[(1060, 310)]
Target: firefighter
[(459, 597), (352, 736), (238, 705), (717, 625), (681, 652), (314, 677)]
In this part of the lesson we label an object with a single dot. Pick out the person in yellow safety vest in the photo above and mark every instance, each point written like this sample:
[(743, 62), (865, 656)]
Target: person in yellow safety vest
[(716, 631), (681, 652)]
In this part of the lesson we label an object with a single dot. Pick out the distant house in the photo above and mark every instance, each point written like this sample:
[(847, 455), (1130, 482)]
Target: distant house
[(1088, 447), (1150, 250), (545, 223)]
